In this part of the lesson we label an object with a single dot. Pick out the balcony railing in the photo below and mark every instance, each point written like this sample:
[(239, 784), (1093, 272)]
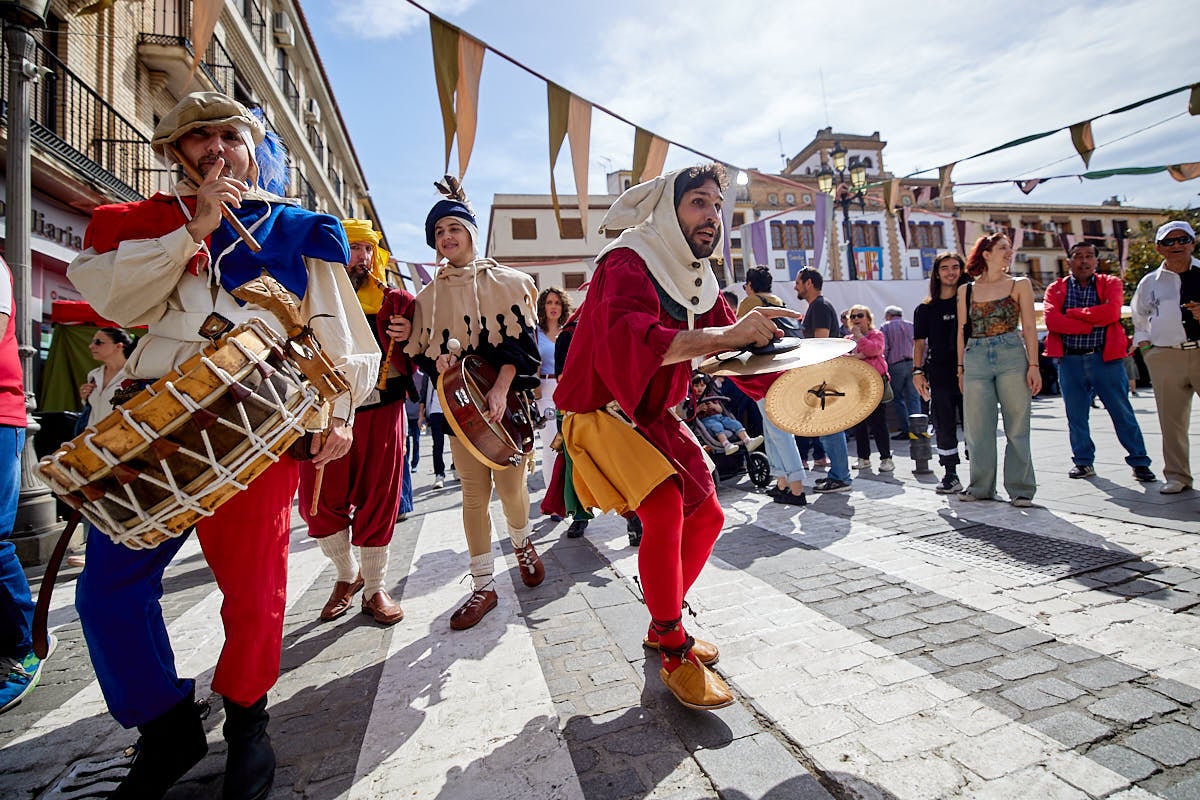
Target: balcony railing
[(71, 121), (252, 13), (173, 26), (291, 92), (304, 190)]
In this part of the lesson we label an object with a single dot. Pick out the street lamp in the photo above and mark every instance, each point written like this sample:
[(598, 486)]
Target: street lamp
[(36, 509), (844, 195)]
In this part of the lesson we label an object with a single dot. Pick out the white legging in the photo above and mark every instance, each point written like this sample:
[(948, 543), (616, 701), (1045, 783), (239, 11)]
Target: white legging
[(546, 408)]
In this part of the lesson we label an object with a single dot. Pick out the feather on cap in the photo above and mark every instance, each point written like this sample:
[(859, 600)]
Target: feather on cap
[(455, 205)]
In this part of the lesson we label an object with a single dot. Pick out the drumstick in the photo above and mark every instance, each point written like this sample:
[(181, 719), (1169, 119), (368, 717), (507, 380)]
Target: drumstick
[(195, 175), (312, 510)]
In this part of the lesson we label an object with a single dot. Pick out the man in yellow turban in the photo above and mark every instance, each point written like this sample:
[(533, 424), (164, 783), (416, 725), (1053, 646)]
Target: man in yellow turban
[(360, 493)]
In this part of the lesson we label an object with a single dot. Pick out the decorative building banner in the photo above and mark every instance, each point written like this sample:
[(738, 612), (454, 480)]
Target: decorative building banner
[(796, 261), (823, 209), (868, 263)]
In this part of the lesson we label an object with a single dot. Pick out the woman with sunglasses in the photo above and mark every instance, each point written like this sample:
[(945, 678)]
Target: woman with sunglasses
[(997, 366), (869, 346), (109, 346)]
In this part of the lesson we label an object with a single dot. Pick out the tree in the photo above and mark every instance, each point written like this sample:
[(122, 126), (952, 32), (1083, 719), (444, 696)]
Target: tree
[(1143, 257)]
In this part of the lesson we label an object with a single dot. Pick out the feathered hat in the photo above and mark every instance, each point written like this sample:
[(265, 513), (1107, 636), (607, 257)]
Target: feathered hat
[(455, 205)]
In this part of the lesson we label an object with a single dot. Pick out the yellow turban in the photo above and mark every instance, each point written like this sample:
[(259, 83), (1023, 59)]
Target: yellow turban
[(370, 296)]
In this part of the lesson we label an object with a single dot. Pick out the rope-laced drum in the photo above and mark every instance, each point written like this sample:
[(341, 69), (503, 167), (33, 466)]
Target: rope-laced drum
[(191, 440)]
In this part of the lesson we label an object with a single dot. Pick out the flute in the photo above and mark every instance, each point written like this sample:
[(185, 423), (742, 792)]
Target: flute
[(236, 223), (387, 356)]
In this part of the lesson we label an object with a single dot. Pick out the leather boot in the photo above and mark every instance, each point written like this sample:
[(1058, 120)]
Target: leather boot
[(250, 765), (168, 747)]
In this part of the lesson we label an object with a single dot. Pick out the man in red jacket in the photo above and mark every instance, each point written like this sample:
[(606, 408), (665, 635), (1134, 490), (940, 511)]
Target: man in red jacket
[(1083, 316)]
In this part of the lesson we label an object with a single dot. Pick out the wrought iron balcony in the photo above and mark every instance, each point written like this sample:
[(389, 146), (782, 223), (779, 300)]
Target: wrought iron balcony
[(73, 123), (167, 49)]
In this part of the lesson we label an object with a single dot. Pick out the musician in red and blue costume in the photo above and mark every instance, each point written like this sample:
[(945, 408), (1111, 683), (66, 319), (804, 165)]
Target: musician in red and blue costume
[(488, 309), (654, 305), (167, 263)]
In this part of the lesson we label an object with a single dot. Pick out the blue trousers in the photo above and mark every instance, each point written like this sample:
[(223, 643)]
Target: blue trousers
[(782, 453), (1081, 378), (906, 400), (406, 505), (838, 455), (994, 373), (412, 444), (16, 604)]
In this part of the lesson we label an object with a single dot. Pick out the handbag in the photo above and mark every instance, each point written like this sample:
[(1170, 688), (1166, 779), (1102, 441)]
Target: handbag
[(888, 394)]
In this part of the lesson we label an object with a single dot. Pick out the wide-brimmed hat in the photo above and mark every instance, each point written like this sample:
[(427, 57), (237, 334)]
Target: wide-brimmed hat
[(824, 398)]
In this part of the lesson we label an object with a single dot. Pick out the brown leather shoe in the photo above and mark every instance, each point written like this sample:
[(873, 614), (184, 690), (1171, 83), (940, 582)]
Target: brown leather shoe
[(383, 608), (476, 608), (533, 571), (707, 652), (696, 686), (339, 600)]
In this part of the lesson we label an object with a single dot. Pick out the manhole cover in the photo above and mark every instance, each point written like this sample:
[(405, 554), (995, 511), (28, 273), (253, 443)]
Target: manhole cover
[(1028, 556)]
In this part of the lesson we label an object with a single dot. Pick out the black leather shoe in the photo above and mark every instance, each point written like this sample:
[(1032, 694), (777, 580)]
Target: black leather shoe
[(1144, 475), (250, 764), (789, 499), (168, 747), (577, 528), (1081, 471)]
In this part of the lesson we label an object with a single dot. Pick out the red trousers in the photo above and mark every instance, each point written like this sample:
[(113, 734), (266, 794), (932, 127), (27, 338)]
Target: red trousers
[(674, 550), (246, 544), (361, 490)]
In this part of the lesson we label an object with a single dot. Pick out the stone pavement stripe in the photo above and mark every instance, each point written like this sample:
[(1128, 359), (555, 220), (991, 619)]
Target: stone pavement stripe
[(82, 726), (463, 714)]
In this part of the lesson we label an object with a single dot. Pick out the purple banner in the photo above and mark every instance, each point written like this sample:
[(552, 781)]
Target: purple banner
[(821, 211)]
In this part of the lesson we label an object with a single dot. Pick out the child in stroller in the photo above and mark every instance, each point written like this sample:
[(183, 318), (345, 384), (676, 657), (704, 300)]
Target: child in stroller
[(705, 412)]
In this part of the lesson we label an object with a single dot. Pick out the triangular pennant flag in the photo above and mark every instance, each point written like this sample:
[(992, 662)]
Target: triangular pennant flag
[(920, 195), (1016, 236), (944, 180), (1184, 172), (558, 106), (579, 131), (960, 228), (649, 155), (903, 222), (1081, 137), (445, 71), (466, 100), (891, 196), (1028, 186), (204, 22), (422, 273), (1194, 100), (1123, 253), (821, 214), (1067, 240)]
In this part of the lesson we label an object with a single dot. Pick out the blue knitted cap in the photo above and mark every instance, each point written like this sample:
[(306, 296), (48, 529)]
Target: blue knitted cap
[(443, 209)]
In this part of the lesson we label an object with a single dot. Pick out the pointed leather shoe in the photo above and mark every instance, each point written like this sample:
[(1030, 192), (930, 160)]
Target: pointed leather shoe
[(476, 608), (383, 608), (533, 572), (696, 686), (340, 599)]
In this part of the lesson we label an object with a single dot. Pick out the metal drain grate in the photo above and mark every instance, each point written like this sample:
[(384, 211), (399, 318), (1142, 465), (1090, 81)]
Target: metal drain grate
[(1034, 558)]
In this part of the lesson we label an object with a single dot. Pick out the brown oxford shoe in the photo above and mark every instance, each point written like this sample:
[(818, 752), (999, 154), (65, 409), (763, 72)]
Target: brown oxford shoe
[(383, 608), (533, 572), (468, 615), (339, 600)]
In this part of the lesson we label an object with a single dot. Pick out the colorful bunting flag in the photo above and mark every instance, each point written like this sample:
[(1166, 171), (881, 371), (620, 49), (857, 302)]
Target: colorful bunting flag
[(466, 96), (822, 210), (1184, 172), (445, 73), (204, 22), (1028, 186), (1067, 240), (944, 179), (1081, 137), (570, 117), (649, 156)]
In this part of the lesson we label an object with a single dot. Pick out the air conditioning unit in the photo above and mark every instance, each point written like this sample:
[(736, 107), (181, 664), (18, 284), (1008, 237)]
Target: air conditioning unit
[(312, 110), (282, 28), (1050, 227)]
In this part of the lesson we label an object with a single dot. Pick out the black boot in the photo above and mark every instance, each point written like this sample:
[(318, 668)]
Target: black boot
[(168, 747), (250, 765), (633, 526)]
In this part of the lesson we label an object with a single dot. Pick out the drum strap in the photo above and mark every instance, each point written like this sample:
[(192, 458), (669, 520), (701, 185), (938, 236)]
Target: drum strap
[(41, 638)]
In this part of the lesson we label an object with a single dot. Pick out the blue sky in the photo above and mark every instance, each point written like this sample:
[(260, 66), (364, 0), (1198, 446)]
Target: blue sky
[(938, 80)]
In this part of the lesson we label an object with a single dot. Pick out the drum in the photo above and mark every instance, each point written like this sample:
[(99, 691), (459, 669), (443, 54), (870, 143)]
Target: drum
[(187, 443), (462, 391)]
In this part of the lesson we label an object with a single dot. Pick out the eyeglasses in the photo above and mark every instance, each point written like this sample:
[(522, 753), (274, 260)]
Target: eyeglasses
[(857, 316), (1171, 241)]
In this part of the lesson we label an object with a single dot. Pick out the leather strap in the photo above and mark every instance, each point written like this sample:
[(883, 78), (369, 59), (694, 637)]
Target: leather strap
[(41, 612)]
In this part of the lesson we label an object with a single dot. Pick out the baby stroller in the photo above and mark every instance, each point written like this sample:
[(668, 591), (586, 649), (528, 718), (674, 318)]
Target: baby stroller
[(727, 466)]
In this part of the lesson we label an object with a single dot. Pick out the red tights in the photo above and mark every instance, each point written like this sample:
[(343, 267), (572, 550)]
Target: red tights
[(674, 549)]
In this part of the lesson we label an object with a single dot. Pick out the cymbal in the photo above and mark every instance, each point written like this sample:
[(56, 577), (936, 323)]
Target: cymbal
[(805, 352), (824, 398)]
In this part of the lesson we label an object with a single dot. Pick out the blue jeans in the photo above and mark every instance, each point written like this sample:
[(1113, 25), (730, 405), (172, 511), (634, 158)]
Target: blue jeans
[(838, 455), (994, 373), (16, 603), (1081, 377), (406, 505), (782, 453), (906, 400), (810, 444), (412, 442), (718, 424)]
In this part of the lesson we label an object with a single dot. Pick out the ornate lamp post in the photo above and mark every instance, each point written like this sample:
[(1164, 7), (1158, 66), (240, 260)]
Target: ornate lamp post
[(845, 196), (36, 510)]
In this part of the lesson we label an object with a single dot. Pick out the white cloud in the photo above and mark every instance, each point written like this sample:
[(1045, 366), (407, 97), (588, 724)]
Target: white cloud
[(387, 19)]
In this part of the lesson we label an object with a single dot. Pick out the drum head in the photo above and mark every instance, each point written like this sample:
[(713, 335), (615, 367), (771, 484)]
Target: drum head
[(824, 398), (805, 353)]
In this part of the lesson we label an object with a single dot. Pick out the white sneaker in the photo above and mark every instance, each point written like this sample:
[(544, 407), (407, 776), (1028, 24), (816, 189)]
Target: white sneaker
[(886, 465), (1173, 487), (862, 463), (439, 482), (730, 449), (753, 443)]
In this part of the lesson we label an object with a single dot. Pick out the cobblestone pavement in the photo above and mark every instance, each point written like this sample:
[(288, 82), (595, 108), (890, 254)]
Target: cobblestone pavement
[(886, 643)]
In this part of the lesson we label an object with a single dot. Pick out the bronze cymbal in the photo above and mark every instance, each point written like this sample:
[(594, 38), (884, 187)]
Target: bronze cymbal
[(805, 352), (824, 398)]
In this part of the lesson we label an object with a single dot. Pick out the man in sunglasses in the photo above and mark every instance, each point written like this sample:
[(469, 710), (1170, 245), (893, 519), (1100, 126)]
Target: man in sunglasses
[(1166, 325)]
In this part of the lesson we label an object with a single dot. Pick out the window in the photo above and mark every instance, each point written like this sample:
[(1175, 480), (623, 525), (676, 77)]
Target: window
[(865, 234), (780, 263), (791, 236), (1034, 238), (776, 236), (1093, 231), (573, 280), (1121, 228), (773, 199), (739, 219), (807, 236), (1063, 225), (739, 271), (790, 199), (926, 235), (525, 228), (572, 228)]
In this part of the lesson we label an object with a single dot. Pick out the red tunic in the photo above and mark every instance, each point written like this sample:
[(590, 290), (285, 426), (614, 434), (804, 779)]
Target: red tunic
[(617, 354)]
